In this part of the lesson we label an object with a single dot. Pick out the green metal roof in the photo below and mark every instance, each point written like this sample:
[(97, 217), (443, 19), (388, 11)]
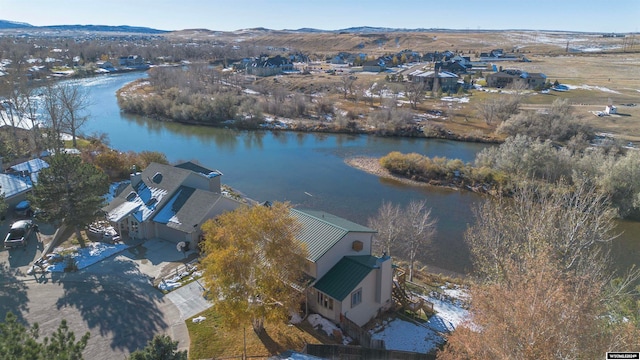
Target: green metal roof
[(321, 231), (343, 278)]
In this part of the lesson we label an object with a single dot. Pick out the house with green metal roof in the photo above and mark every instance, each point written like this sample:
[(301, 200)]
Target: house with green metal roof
[(349, 282)]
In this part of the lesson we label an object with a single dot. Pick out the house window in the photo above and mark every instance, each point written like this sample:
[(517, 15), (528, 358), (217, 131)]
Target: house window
[(325, 301), (356, 297)]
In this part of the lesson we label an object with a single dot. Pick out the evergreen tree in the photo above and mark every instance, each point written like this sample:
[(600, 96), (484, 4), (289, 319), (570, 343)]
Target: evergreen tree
[(161, 347), (70, 192), (18, 342)]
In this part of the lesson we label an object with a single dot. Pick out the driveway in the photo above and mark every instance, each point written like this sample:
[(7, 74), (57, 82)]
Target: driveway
[(113, 299)]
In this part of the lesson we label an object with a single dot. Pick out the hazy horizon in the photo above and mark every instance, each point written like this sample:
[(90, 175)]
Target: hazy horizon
[(606, 16)]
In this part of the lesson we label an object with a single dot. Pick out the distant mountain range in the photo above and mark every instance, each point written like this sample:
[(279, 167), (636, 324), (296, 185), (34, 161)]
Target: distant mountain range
[(13, 25), (5, 24)]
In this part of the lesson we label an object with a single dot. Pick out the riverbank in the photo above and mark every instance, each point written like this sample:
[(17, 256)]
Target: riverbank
[(372, 166), (142, 99)]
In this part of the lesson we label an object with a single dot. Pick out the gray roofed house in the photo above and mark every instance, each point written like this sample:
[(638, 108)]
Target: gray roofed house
[(349, 282), (18, 179), (169, 202), (507, 77)]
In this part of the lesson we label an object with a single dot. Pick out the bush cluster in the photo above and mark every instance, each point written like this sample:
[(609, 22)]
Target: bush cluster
[(521, 159)]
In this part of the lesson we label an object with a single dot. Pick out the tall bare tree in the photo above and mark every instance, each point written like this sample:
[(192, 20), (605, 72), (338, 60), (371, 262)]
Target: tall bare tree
[(414, 92), (419, 229), (53, 118), (409, 230), (388, 223), (74, 101), (347, 84)]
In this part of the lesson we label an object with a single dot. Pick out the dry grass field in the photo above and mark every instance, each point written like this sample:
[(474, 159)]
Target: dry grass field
[(210, 339), (599, 70)]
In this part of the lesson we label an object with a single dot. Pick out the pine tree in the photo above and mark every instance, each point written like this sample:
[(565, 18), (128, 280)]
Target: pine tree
[(18, 342), (161, 347), (70, 192)]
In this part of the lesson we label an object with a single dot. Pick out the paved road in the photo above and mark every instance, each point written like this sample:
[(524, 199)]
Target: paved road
[(113, 299)]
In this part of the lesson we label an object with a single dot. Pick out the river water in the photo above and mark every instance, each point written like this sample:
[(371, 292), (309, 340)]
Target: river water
[(308, 170)]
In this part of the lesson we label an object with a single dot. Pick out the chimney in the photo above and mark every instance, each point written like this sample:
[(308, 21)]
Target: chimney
[(136, 177)]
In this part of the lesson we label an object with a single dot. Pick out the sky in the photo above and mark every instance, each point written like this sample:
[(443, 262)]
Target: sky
[(227, 15)]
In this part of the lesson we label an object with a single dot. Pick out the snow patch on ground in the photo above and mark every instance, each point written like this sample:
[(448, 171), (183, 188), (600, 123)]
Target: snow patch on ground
[(320, 323), (590, 87), (406, 336), (448, 315), (89, 255), (454, 99), (295, 319)]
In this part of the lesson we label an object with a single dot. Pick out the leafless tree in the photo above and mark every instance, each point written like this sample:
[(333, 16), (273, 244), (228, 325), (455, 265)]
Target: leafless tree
[(18, 109), (414, 92), (74, 102), (500, 108), (346, 85), (378, 89), (419, 229), (575, 222), (389, 224), (409, 230), (53, 118)]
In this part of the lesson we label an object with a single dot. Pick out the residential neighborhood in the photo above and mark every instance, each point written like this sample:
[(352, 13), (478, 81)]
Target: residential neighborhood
[(143, 170)]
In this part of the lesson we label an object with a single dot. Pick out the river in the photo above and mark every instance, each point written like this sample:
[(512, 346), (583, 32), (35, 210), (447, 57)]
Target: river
[(308, 169)]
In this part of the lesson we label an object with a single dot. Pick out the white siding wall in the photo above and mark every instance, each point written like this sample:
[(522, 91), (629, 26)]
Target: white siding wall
[(368, 308), (343, 248), (385, 286), (331, 314)]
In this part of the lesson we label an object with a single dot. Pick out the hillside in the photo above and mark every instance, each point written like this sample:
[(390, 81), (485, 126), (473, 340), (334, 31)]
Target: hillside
[(12, 25), (375, 41)]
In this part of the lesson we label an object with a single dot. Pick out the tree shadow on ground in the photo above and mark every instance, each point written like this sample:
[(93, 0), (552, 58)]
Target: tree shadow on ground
[(23, 256), (272, 347), (117, 300), (13, 293)]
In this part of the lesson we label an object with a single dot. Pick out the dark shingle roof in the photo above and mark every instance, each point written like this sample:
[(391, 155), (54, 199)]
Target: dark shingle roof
[(188, 208), (321, 230), (343, 278), (197, 168)]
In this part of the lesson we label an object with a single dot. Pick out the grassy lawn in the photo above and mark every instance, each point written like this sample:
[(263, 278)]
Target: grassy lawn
[(209, 338)]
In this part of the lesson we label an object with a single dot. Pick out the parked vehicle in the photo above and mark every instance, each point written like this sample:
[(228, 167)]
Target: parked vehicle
[(19, 234), (23, 209)]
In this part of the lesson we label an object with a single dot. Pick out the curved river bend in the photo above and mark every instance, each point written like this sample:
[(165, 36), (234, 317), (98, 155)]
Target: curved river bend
[(307, 169)]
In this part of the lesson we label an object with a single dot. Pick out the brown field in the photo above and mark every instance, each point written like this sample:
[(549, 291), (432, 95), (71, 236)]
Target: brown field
[(210, 339), (608, 76)]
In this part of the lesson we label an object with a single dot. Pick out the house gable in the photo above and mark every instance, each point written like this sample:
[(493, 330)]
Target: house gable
[(321, 231), (346, 275)]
